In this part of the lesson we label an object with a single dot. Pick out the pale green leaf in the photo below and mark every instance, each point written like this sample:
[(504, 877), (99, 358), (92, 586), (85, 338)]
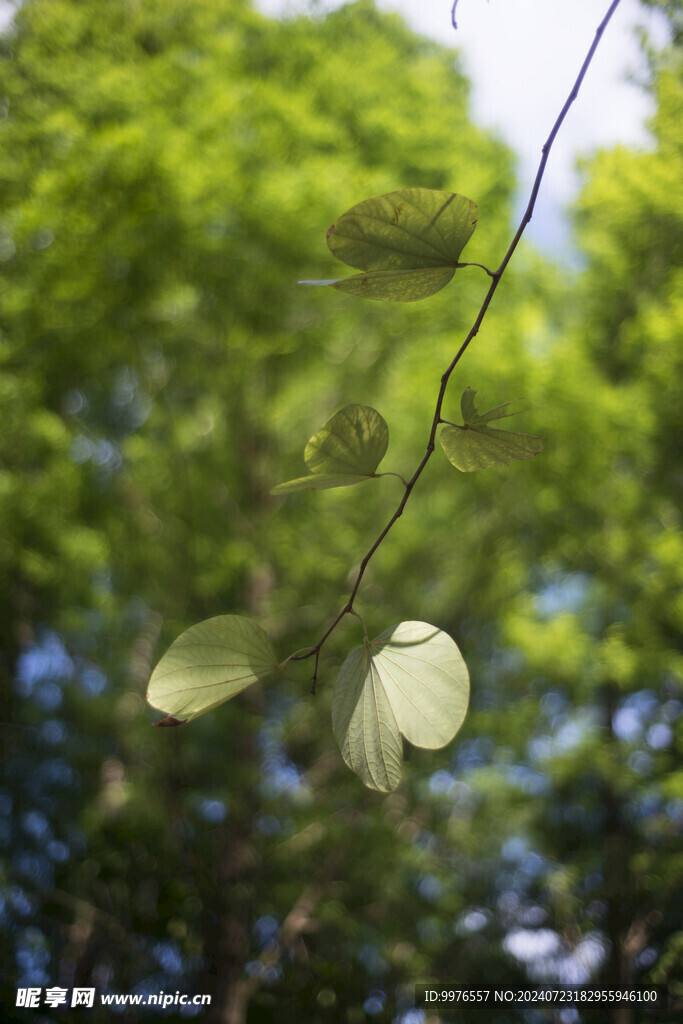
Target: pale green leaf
[(354, 440), (475, 445), (407, 243), (318, 482), (404, 230), (410, 680), (467, 407), (471, 416), (364, 724), (396, 285), (208, 664), (346, 450)]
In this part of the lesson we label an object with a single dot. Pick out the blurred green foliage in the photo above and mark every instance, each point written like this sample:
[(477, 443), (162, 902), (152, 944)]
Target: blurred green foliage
[(167, 172)]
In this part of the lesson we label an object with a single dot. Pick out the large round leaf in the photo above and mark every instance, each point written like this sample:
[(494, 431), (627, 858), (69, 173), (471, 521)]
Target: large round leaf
[(208, 664), (475, 445), (346, 450), (408, 243), (410, 680)]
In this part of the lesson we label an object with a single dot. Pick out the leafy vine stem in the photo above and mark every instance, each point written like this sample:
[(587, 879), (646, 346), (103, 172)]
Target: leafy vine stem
[(407, 244), (496, 276)]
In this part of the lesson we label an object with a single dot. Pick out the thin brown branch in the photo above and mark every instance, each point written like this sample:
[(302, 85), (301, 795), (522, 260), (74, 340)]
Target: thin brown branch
[(474, 330), (453, 21)]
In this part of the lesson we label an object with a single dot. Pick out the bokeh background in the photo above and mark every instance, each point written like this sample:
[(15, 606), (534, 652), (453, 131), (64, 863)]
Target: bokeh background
[(167, 172)]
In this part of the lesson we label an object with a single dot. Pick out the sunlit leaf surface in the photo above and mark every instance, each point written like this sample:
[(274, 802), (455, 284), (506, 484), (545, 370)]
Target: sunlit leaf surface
[(346, 450), (208, 664), (411, 681), (407, 243), (475, 445)]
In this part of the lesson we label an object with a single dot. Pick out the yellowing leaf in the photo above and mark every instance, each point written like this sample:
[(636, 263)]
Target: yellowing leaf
[(410, 680), (208, 664), (475, 445), (346, 450), (407, 243)]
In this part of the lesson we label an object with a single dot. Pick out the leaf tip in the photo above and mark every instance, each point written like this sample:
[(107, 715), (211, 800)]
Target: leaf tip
[(331, 281), (167, 721)]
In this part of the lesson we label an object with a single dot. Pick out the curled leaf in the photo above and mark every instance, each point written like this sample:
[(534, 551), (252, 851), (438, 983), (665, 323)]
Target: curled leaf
[(346, 450), (411, 680), (407, 243), (208, 664), (475, 445)]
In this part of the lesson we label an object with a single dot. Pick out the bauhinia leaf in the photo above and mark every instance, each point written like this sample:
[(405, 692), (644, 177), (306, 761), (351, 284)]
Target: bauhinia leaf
[(208, 664), (475, 445), (407, 243), (346, 450), (410, 680)]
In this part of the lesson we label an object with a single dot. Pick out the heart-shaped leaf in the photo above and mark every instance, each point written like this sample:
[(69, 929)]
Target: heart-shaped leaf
[(410, 680), (209, 663), (475, 445), (408, 243), (346, 450)]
